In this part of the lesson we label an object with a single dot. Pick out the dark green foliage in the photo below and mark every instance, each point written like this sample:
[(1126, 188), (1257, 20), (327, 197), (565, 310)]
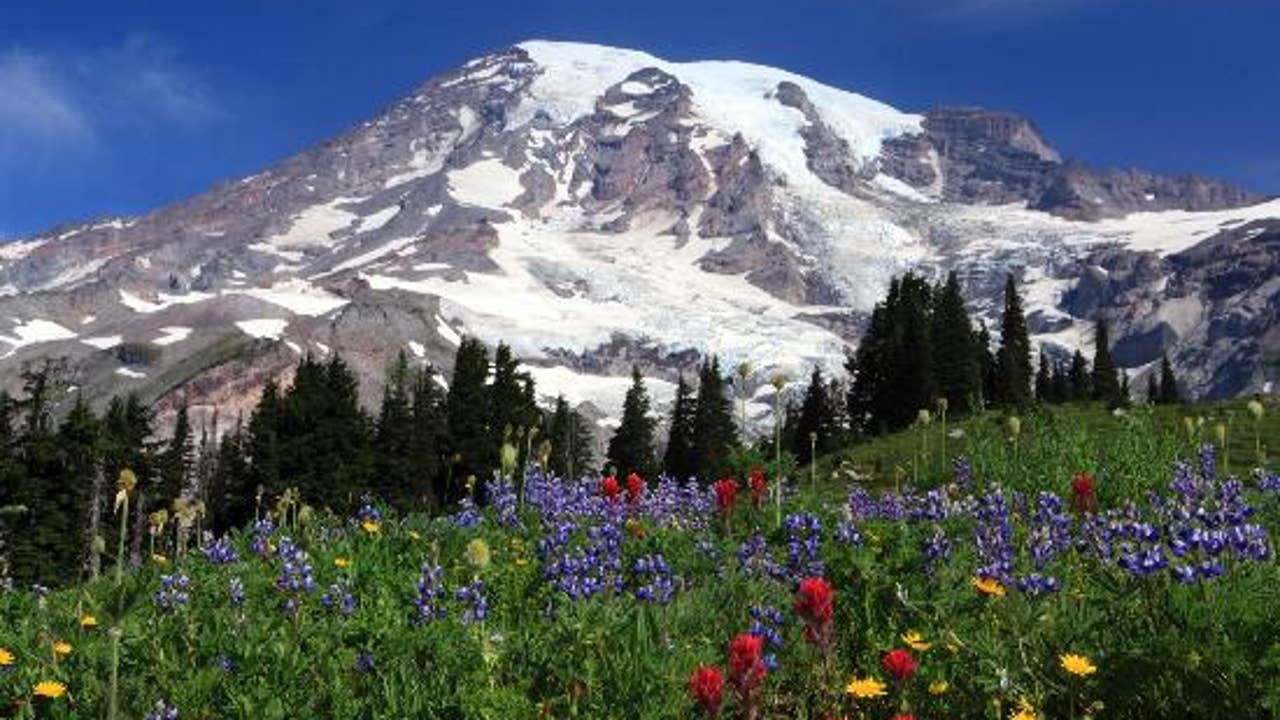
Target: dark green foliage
[(957, 364), (714, 432), (513, 412), (893, 369), (175, 460), (1168, 392), (1106, 386), (679, 460), (428, 439), (1079, 378), (231, 493), (471, 439), (571, 440), (631, 447), (263, 441), (393, 439), (1013, 360), (324, 436), (1044, 380), (815, 426)]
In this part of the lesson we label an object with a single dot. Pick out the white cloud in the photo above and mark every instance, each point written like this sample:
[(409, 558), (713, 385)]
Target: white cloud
[(59, 102)]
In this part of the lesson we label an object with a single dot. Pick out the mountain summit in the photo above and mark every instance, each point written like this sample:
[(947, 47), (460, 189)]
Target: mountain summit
[(598, 207)]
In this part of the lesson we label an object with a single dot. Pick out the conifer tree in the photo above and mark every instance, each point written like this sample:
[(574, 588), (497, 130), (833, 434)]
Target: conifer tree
[(631, 447), (175, 460), (1013, 361), (1153, 389), (957, 368), (1105, 384), (393, 442), (1168, 394), (571, 441), (263, 442), (1044, 380), (1079, 378), (428, 439), (815, 420), (468, 414), (868, 368), (714, 432), (232, 493), (1061, 383), (986, 365), (512, 412), (679, 460)]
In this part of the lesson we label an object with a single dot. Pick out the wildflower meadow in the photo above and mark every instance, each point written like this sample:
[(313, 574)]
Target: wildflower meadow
[(1000, 582)]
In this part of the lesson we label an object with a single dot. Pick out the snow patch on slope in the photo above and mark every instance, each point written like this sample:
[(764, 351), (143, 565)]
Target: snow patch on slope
[(269, 328)]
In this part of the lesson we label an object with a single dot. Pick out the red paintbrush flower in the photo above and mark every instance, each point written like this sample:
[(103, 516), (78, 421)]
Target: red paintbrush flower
[(746, 663), (726, 494), (898, 664), (759, 486), (635, 488), (815, 605), (706, 686), (609, 487), (1084, 489)]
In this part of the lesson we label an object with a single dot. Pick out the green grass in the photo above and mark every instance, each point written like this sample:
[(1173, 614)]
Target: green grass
[(1162, 649)]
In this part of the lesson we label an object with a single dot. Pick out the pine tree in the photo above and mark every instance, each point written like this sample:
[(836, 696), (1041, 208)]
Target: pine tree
[(468, 414), (571, 441), (263, 442), (714, 432), (1122, 398), (1013, 361), (1168, 394), (986, 365), (1105, 385), (175, 460), (512, 412), (815, 420), (1044, 380), (428, 440), (73, 500), (631, 448), (1061, 383), (1153, 389), (956, 366), (393, 441), (679, 460), (868, 368), (1079, 378), (232, 493)]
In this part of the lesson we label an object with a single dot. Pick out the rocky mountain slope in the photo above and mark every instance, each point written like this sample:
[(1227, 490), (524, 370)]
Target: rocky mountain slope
[(598, 207)]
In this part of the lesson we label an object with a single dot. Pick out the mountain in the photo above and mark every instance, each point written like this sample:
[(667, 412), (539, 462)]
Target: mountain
[(598, 207)]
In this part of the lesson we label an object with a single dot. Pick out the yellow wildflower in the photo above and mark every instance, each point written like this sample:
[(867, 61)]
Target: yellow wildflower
[(370, 526), (6, 657), (127, 482), (88, 622), (159, 559), (62, 648), (939, 687), (341, 563), (1078, 665), (414, 536), (478, 553), (49, 689), (522, 561), (863, 688), (988, 586), (916, 641), (1024, 710)]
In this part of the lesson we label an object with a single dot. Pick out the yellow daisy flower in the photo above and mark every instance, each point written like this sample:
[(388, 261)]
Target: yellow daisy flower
[(916, 641), (62, 648), (1077, 665), (341, 563), (49, 689), (863, 688), (370, 527), (939, 687), (990, 587), (1024, 710), (6, 657), (88, 622)]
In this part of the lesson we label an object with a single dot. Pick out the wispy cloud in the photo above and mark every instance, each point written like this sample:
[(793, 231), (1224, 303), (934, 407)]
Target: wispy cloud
[(987, 14), (55, 103)]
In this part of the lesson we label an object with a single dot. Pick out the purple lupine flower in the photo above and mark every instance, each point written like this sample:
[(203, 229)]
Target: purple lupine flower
[(172, 592), (475, 606), (340, 598), (429, 605), (162, 710), (767, 623), (364, 661), (654, 579), (296, 578), (220, 552)]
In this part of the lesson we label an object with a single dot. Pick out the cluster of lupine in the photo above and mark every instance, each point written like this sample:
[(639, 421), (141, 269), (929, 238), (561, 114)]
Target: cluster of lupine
[(340, 598), (475, 607), (504, 501), (766, 623), (584, 570), (262, 532), (804, 544), (173, 591), (220, 552), (296, 579), (163, 711), (429, 604), (653, 576)]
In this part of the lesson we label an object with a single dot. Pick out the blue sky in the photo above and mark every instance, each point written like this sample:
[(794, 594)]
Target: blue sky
[(120, 107)]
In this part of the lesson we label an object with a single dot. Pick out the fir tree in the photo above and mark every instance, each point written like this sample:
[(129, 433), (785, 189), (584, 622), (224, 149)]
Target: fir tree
[(631, 447), (679, 460), (714, 432), (512, 412), (393, 441), (175, 460), (468, 414), (263, 442), (957, 371), (1044, 380), (986, 365), (1013, 361), (1105, 384), (232, 497), (428, 439), (1168, 394), (1153, 389), (571, 441), (815, 420), (1079, 378), (1061, 383)]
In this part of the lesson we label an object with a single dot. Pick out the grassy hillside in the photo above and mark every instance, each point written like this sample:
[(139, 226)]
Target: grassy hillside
[(574, 602)]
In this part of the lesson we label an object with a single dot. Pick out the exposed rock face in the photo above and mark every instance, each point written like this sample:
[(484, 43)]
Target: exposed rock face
[(599, 208), (989, 157)]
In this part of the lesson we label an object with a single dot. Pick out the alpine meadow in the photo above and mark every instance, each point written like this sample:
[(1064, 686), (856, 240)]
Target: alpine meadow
[(578, 382)]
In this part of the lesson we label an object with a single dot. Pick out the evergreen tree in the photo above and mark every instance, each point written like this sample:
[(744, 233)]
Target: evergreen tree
[(1153, 389), (868, 368), (1061, 383), (72, 500), (1105, 384), (986, 364), (1013, 361), (393, 441), (232, 492), (1123, 398), (679, 460), (428, 439), (815, 420), (714, 432), (1079, 378), (631, 447), (175, 460), (263, 442), (468, 414), (957, 371), (512, 411), (841, 428), (1168, 394), (571, 441), (1044, 380)]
